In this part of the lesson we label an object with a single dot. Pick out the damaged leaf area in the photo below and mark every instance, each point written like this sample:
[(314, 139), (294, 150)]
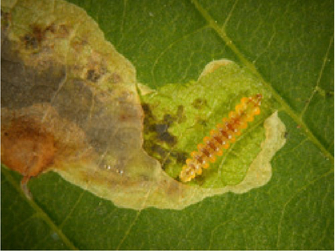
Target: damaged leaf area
[(180, 116), (70, 105)]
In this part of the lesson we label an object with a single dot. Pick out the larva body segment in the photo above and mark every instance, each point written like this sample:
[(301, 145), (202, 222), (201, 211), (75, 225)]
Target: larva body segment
[(221, 137)]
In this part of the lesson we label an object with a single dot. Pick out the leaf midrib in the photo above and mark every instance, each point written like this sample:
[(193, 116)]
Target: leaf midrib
[(285, 105)]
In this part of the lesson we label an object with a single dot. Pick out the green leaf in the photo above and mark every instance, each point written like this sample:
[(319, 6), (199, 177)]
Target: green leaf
[(288, 47)]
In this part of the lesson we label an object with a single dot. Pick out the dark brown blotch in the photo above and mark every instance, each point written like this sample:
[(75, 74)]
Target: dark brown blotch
[(158, 141), (34, 38), (168, 119), (37, 34), (157, 130), (92, 75), (167, 138), (30, 42), (180, 156)]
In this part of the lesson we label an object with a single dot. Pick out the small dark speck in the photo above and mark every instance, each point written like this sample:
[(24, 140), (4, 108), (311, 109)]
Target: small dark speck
[(199, 103), (159, 150), (92, 75), (168, 119), (161, 128), (168, 138), (181, 157), (31, 42), (202, 122)]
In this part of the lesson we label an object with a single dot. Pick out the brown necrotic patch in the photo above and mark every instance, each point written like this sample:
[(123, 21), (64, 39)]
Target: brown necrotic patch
[(27, 147), (96, 70), (34, 39), (93, 75)]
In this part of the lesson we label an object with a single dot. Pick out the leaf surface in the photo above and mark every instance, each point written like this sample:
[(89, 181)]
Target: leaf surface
[(289, 48)]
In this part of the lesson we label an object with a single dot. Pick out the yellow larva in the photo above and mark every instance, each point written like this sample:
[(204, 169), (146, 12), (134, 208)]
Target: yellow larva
[(221, 137)]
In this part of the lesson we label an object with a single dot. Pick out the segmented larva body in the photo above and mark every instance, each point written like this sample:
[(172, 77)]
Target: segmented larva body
[(221, 137)]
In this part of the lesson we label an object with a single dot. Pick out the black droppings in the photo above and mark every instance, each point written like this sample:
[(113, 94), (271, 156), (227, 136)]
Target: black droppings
[(30, 42), (202, 122), (166, 164), (158, 141), (181, 157), (199, 103), (92, 75), (161, 128), (168, 138), (159, 150), (34, 38), (158, 129), (180, 114), (168, 119), (286, 134)]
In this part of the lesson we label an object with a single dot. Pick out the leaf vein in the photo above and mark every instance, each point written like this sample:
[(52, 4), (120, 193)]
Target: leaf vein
[(39, 210), (286, 106), (316, 88), (300, 190)]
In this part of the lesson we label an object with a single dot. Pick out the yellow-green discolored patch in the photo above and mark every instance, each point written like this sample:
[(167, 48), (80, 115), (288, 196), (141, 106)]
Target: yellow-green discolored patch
[(205, 102), (73, 97)]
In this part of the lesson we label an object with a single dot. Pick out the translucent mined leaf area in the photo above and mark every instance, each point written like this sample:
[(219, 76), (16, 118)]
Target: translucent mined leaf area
[(178, 117), (73, 97)]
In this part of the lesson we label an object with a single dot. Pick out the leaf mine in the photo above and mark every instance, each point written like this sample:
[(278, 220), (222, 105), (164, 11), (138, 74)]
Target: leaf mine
[(70, 105)]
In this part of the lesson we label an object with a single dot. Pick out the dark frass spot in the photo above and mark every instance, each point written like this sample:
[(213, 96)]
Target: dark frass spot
[(166, 163), (286, 134), (158, 141), (180, 156), (168, 119), (30, 42), (180, 114), (92, 75), (158, 129), (160, 151), (161, 128), (199, 103), (167, 138), (35, 37), (202, 122)]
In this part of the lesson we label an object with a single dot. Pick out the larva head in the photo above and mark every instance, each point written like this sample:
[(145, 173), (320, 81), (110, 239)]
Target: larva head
[(252, 106), (258, 99)]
